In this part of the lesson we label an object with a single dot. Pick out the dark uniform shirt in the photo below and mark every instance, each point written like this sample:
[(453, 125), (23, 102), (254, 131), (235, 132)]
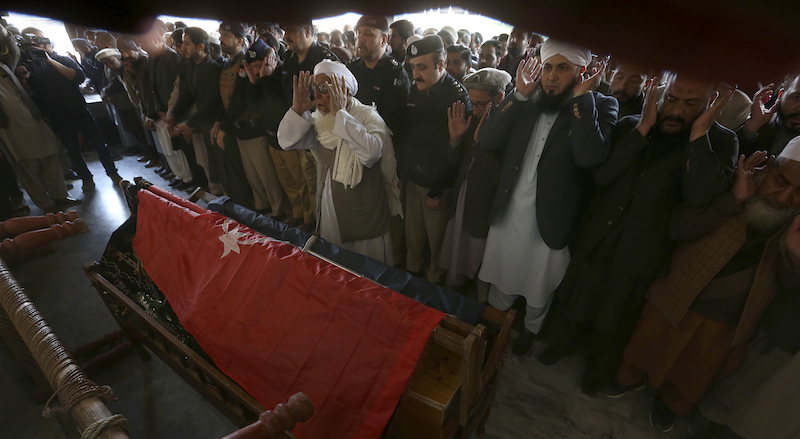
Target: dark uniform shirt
[(162, 71), (423, 141), (293, 66), (385, 86), (53, 93)]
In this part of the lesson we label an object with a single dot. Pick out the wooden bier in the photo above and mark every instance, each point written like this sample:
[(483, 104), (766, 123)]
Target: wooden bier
[(34, 343), (448, 396)]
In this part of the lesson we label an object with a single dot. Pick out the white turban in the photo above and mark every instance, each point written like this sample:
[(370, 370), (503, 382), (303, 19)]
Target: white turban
[(574, 54), (105, 53), (330, 68), (792, 150)]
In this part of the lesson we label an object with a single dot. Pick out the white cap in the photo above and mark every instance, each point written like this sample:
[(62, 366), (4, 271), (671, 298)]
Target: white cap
[(792, 150), (105, 53)]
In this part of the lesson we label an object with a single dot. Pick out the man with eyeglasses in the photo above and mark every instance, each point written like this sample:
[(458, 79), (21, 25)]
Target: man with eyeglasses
[(476, 182)]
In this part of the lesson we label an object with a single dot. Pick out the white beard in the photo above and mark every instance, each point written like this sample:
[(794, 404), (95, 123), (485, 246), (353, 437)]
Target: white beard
[(761, 216), (323, 123)]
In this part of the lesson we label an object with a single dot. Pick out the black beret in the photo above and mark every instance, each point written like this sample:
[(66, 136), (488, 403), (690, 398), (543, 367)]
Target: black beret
[(377, 21), (429, 44), (234, 28), (256, 51)]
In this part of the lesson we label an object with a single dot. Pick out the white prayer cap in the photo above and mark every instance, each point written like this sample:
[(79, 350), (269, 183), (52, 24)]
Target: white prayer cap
[(330, 68), (413, 38), (792, 150), (105, 53), (574, 54), (213, 38)]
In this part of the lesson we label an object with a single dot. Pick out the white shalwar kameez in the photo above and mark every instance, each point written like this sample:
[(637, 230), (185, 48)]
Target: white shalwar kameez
[(517, 261)]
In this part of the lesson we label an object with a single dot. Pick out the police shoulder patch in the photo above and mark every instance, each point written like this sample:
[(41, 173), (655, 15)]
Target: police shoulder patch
[(242, 72)]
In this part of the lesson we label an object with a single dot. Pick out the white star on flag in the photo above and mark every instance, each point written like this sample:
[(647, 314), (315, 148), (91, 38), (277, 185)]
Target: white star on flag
[(232, 238)]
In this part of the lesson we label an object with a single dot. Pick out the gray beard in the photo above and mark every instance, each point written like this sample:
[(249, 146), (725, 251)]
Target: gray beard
[(759, 215)]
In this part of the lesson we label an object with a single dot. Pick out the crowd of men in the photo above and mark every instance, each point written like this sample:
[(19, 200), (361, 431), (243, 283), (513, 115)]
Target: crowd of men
[(645, 218)]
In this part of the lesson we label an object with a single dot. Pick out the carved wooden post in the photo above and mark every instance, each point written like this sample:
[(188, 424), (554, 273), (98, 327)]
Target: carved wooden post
[(272, 424)]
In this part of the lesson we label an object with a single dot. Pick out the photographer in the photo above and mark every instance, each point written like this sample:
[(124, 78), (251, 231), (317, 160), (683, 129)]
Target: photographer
[(26, 142), (54, 82)]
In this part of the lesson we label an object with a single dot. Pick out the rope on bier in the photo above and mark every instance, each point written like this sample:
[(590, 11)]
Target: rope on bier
[(75, 393)]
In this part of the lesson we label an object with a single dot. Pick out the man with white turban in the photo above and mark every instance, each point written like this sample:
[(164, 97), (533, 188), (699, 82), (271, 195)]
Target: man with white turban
[(357, 179), (673, 153), (554, 129)]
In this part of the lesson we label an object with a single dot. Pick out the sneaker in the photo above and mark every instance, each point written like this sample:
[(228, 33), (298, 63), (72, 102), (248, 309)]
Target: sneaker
[(661, 418), (616, 390), (522, 345)]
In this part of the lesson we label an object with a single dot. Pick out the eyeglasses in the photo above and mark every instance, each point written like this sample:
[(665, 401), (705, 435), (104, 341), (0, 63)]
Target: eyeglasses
[(321, 88), (480, 104)]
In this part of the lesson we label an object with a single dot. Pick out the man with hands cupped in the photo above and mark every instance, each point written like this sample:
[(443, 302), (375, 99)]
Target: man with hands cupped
[(357, 180)]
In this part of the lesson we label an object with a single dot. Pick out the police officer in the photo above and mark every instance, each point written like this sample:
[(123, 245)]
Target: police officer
[(422, 146), (382, 81)]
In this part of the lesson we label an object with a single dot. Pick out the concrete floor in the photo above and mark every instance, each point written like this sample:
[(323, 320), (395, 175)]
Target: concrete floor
[(534, 401)]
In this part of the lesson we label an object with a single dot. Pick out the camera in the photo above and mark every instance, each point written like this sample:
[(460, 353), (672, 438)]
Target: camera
[(28, 47)]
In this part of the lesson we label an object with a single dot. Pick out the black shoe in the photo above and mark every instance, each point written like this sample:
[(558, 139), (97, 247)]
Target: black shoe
[(143, 159), (523, 343), (70, 186), (590, 386), (174, 183), (661, 418), (69, 176), (168, 176), (160, 169), (114, 156), (615, 390), (151, 164), (549, 356), (184, 185), (88, 184)]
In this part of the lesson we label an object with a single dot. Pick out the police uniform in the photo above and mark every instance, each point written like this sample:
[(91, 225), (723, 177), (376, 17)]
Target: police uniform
[(385, 86), (422, 149)]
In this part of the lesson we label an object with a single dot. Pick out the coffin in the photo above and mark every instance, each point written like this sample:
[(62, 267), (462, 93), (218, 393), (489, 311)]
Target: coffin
[(449, 393)]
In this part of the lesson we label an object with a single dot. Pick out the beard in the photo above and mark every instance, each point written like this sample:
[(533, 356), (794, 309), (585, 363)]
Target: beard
[(785, 117), (761, 216), (323, 123), (553, 103), (514, 50)]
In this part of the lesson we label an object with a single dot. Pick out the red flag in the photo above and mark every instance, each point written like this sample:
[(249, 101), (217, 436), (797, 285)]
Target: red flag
[(279, 321)]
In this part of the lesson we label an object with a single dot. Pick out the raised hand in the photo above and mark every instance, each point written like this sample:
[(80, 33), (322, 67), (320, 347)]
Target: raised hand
[(270, 63), (301, 92), (529, 76), (744, 185), (759, 115), (456, 123), (593, 81), (703, 123), (338, 92), (650, 107)]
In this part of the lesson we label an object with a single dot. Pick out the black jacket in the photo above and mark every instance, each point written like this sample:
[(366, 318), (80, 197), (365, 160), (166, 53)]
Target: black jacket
[(385, 86), (578, 141), (162, 71), (422, 143), (200, 89)]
